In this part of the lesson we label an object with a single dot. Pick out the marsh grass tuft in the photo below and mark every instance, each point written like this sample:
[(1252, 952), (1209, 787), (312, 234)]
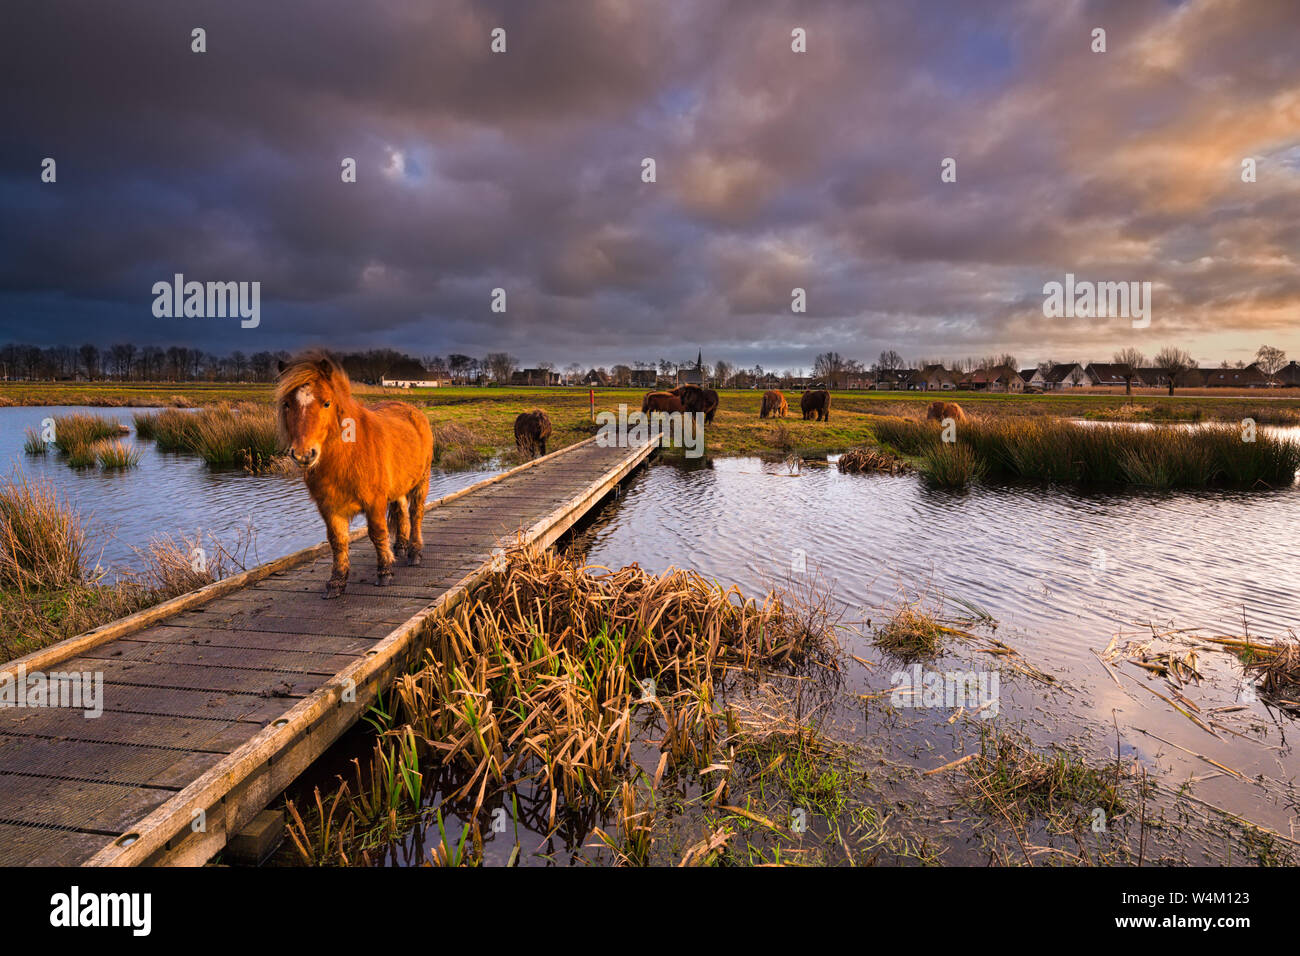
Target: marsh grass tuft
[(911, 633), (455, 447)]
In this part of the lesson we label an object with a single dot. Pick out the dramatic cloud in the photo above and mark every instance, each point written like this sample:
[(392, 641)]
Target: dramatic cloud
[(775, 170)]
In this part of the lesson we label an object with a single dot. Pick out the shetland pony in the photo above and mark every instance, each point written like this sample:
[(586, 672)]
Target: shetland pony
[(938, 411), (531, 431), (774, 405), (816, 405), (698, 400), (355, 460), (661, 402)]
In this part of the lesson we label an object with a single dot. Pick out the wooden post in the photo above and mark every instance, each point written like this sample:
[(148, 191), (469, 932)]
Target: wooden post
[(591, 398)]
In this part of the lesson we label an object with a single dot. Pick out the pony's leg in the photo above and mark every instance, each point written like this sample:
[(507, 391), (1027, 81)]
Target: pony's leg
[(415, 550), (400, 517), (377, 528), (336, 528)]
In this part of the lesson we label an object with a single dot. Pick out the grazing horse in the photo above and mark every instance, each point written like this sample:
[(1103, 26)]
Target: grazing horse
[(531, 431), (356, 460), (816, 404), (696, 399), (938, 411), (661, 402), (774, 405)]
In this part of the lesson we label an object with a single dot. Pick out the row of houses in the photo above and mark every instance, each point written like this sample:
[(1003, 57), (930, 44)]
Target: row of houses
[(1003, 378)]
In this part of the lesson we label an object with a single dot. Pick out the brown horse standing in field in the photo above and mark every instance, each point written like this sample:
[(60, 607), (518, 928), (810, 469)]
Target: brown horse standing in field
[(696, 400), (356, 460), (938, 411), (531, 431), (774, 405), (661, 402), (816, 404)]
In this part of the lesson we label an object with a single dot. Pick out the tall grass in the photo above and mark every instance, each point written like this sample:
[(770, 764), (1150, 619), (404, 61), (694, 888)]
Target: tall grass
[(42, 544), (241, 434), (1063, 451), (115, 454), (47, 593)]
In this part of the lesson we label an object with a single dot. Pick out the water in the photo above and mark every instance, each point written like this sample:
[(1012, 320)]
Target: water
[(174, 495)]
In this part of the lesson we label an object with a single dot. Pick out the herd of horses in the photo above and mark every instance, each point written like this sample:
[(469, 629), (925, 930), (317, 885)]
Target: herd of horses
[(376, 459)]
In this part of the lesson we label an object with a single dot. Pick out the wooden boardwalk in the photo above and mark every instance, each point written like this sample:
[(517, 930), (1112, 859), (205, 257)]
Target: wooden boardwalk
[(214, 702)]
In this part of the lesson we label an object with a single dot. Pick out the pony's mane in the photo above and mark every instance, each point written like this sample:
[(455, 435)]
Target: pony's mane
[(306, 370)]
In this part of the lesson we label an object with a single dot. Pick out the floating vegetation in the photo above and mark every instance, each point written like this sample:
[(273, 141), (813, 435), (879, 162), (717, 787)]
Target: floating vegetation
[(871, 459), (117, 454)]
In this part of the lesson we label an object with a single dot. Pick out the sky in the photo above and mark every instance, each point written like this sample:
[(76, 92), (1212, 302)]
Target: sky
[(774, 170)]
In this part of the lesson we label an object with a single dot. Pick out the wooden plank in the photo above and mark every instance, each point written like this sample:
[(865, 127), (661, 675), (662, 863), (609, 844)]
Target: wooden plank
[(195, 734), (193, 676), (100, 762), (45, 846), (242, 658), (76, 804), (253, 640)]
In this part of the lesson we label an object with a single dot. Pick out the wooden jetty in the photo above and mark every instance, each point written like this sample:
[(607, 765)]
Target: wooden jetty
[(215, 701)]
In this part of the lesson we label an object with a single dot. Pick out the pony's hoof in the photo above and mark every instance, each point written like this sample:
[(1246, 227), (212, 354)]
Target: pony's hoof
[(383, 579), (334, 589), (414, 558)]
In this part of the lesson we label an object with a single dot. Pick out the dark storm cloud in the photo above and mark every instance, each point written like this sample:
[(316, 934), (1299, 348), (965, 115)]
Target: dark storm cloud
[(775, 170)]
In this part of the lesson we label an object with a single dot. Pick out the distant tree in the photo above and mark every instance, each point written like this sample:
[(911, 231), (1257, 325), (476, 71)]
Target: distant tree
[(1129, 361), (500, 365), (1270, 360), (831, 366), (888, 361), (1173, 362), (721, 372), (1009, 360)]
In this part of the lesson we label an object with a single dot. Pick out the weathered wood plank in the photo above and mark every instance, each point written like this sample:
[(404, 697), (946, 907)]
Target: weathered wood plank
[(100, 762), (280, 659)]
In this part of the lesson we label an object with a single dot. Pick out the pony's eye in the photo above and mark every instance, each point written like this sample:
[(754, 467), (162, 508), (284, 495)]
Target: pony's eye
[(326, 404)]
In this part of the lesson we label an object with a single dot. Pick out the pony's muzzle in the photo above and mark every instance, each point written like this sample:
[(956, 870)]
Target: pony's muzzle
[(307, 460)]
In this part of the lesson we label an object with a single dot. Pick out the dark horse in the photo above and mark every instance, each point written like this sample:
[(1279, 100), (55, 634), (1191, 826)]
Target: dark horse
[(356, 460), (816, 404), (661, 402), (531, 431), (696, 399)]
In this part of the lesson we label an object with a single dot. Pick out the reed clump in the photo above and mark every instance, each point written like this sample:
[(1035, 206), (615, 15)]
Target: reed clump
[(455, 447), (911, 633), (864, 459), (543, 679), (48, 591), (239, 434), (1064, 451), (1013, 780)]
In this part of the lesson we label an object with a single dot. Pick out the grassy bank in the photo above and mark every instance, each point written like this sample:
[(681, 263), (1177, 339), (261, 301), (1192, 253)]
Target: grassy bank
[(1062, 451), (488, 414), (47, 589)]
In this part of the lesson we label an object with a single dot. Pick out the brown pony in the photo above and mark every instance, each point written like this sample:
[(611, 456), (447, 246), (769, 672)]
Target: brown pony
[(816, 404), (531, 431), (774, 405), (661, 402), (355, 460), (938, 411), (696, 399)]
